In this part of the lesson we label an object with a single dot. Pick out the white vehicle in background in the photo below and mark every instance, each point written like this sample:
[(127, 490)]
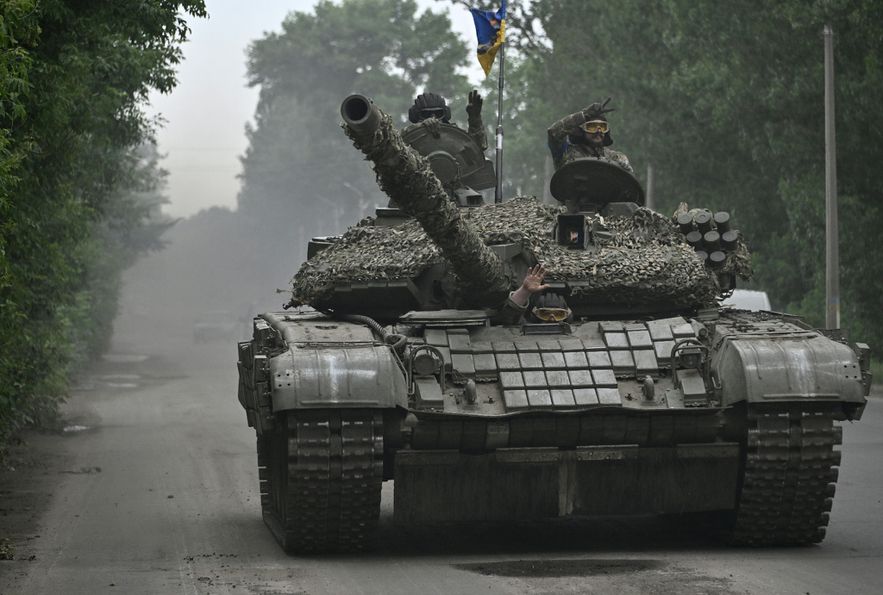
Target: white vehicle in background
[(747, 299)]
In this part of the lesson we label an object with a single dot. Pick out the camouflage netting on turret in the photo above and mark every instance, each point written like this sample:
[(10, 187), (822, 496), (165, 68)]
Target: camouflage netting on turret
[(407, 178), (645, 261)]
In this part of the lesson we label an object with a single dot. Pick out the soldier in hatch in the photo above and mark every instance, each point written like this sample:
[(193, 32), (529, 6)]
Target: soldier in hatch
[(532, 300), (430, 105), (585, 134)]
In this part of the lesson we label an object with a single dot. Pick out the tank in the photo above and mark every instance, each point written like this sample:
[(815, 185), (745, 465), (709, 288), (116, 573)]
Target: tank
[(402, 358)]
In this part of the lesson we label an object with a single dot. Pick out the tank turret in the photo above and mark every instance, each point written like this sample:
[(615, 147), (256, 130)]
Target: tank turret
[(406, 177), (432, 255)]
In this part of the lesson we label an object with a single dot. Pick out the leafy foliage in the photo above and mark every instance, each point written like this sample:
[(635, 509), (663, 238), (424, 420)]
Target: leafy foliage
[(726, 101), (78, 178), (301, 175)]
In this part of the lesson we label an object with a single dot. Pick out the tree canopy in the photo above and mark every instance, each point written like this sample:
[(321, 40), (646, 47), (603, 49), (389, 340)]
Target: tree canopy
[(299, 168), (725, 100), (79, 179)]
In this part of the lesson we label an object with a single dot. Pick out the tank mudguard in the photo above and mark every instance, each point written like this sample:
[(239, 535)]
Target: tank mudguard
[(761, 369), (340, 376)]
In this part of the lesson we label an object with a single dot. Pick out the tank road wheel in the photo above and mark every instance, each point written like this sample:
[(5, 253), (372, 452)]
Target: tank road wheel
[(790, 469), (320, 476)]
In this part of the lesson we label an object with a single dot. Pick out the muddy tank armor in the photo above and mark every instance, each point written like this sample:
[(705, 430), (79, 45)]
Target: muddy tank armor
[(403, 361)]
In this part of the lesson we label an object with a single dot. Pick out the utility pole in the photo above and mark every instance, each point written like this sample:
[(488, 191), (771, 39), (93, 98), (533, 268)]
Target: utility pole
[(650, 199), (498, 191), (832, 247)]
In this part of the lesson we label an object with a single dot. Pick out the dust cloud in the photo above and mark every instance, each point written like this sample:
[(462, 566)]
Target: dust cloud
[(205, 286)]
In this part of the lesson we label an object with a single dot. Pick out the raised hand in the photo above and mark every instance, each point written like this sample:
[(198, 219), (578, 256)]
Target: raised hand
[(597, 109), (533, 280), (533, 283), (473, 107)]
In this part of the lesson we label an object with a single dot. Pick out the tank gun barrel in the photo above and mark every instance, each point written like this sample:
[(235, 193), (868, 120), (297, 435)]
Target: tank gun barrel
[(406, 177), (360, 115)]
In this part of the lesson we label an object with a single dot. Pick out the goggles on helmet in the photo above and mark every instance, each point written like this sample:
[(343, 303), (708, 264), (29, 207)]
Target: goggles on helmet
[(552, 314), (596, 126)]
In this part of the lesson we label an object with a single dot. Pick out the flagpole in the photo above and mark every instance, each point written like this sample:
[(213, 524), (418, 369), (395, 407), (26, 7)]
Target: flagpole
[(498, 193)]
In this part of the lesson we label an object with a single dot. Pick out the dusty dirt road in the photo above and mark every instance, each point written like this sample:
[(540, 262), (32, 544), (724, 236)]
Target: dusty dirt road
[(153, 489)]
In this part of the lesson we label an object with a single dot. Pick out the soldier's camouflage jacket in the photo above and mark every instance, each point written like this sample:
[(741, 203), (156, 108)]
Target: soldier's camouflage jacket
[(565, 151), (477, 131)]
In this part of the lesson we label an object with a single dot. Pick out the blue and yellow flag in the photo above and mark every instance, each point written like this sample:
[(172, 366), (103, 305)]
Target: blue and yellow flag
[(490, 27)]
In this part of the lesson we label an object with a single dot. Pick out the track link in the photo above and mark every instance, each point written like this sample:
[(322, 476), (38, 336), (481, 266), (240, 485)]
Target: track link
[(320, 475), (790, 470)]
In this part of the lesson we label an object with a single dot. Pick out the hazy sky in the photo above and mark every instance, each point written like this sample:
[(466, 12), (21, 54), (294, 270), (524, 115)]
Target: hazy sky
[(204, 132)]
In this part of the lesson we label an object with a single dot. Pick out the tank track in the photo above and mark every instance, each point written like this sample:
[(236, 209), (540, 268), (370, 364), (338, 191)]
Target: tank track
[(320, 476), (790, 470)]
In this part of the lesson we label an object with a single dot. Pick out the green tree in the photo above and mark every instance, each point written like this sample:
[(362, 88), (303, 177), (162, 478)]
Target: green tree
[(301, 175), (726, 101), (132, 225), (73, 79)]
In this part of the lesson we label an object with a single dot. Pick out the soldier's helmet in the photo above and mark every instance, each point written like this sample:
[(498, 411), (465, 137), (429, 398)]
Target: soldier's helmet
[(429, 105), (549, 307)]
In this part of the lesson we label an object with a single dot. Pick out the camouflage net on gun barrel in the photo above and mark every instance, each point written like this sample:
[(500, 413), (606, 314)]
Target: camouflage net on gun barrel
[(646, 259), (407, 178)]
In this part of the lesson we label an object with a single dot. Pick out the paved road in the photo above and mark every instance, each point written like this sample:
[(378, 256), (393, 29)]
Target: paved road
[(157, 493)]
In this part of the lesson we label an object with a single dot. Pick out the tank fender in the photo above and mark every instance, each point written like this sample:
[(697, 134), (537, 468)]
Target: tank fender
[(775, 369), (863, 352), (310, 377)]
